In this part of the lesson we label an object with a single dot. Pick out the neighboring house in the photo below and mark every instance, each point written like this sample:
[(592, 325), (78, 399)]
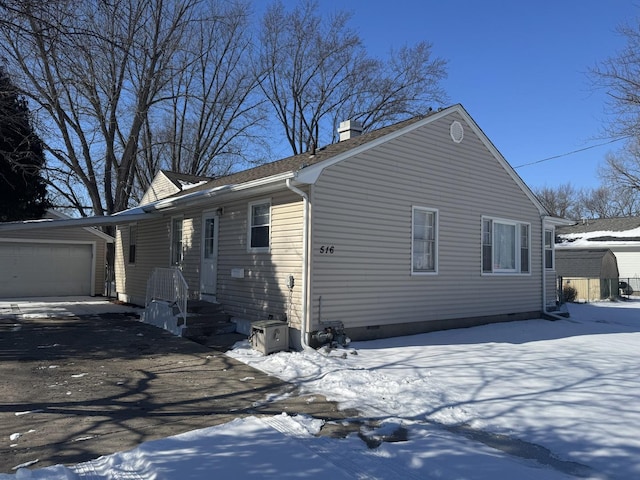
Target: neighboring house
[(593, 273), (620, 235), (52, 262), (418, 226)]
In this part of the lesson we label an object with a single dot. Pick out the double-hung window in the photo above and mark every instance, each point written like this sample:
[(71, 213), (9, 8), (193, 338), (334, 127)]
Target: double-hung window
[(505, 246), (177, 251), (548, 249), (133, 234), (259, 226), (424, 245)]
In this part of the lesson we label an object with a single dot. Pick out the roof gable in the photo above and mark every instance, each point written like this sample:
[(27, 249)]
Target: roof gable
[(306, 167), (167, 183)]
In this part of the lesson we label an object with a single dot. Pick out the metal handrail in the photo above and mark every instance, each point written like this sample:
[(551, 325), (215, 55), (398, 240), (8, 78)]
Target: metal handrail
[(168, 285)]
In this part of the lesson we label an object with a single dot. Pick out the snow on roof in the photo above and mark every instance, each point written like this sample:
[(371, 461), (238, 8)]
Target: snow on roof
[(187, 185), (599, 238)]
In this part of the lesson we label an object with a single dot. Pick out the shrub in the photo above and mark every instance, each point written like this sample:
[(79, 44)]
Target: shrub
[(569, 293)]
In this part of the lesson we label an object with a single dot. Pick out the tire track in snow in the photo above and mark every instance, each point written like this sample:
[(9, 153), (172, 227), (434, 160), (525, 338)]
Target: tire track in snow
[(352, 463)]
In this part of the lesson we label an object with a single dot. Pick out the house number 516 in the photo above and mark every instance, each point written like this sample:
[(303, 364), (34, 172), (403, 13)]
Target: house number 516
[(327, 249)]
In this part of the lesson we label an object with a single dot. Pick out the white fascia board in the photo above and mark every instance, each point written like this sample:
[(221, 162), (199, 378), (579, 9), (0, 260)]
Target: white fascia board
[(559, 222), (74, 222), (91, 230)]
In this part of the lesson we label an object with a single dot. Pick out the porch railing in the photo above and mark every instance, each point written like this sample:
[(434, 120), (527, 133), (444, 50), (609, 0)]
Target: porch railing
[(168, 285)]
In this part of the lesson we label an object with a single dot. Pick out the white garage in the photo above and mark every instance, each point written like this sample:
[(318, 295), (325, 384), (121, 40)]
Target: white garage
[(45, 269), (52, 262)]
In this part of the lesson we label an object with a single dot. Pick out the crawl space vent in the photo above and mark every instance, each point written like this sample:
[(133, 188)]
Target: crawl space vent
[(457, 131)]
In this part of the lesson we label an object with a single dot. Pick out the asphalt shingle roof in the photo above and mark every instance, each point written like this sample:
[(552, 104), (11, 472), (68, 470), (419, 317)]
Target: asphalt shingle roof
[(582, 263), (618, 224), (297, 162)]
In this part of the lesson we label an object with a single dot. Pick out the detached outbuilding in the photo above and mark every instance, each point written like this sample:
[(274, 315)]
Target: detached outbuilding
[(593, 273), (621, 235), (45, 262)]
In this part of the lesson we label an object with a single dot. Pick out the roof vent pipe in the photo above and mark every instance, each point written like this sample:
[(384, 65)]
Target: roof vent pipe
[(349, 129)]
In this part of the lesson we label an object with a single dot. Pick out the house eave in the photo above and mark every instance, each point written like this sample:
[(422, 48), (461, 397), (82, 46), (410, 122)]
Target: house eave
[(559, 222), (157, 208), (204, 196), (97, 221)]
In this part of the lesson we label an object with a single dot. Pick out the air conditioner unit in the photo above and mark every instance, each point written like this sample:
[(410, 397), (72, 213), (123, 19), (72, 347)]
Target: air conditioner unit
[(268, 336)]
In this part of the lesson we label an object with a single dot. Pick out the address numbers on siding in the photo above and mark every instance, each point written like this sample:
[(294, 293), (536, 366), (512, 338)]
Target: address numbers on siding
[(327, 249)]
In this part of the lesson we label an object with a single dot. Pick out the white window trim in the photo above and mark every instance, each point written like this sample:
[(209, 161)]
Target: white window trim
[(171, 246), (436, 227), (518, 246), (250, 206)]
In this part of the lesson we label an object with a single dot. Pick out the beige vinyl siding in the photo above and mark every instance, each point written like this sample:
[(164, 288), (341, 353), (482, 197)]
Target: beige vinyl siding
[(191, 241), (70, 235), (161, 187), (152, 250), (263, 291), (362, 207)]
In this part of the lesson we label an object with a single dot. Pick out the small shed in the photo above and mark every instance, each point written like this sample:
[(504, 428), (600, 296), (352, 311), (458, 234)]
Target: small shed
[(593, 273)]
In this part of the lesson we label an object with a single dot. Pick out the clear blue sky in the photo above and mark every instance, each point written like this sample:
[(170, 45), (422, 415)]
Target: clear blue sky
[(519, 68)]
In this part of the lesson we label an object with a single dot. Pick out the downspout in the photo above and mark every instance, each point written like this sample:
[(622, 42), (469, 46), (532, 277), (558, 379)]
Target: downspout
[(543, 265), (551, 315), (304, 321)]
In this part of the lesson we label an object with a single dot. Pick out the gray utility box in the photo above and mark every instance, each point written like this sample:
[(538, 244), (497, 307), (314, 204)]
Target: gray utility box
[(268, 336)]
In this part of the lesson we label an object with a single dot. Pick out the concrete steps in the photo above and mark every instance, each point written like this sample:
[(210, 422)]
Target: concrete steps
[(206, 320)]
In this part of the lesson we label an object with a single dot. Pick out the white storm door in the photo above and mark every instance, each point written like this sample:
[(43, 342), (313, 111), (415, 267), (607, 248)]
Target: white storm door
[(209, 262)]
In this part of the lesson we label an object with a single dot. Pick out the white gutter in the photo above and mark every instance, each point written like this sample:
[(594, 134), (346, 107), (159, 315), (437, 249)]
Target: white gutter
[(193, 198), (304, 321)]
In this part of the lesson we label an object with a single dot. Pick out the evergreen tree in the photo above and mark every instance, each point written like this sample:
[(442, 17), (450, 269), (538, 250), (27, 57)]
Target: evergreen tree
[(23, 194)]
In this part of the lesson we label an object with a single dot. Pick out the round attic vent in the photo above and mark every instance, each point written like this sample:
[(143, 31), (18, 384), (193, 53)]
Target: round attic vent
[(457, 131)]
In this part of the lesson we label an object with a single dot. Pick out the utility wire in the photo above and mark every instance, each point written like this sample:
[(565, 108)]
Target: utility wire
[(571, 153)]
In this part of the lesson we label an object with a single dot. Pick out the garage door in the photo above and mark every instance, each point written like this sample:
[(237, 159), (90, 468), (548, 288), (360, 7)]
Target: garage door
[(42, 269)]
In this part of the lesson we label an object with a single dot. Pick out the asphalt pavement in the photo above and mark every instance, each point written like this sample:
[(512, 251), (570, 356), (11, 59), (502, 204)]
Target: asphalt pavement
[(83, 377)]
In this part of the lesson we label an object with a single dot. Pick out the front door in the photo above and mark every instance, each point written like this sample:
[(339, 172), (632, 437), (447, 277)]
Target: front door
[(209, 262)]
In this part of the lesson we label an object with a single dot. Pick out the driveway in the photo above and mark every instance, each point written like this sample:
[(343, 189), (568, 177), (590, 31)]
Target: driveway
[(81, 381)]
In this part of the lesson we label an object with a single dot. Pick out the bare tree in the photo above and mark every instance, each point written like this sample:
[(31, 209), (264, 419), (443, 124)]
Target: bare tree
[(620, 176), (618, 76), (96, 70), (560, 201), (317, 73), (623, 168), (213, 115)]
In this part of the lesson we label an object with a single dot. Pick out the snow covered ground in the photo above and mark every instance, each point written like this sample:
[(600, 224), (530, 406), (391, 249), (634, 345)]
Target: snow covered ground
[(526, 400)]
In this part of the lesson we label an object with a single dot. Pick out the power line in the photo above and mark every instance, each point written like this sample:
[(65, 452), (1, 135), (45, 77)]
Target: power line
[(571, 153)]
